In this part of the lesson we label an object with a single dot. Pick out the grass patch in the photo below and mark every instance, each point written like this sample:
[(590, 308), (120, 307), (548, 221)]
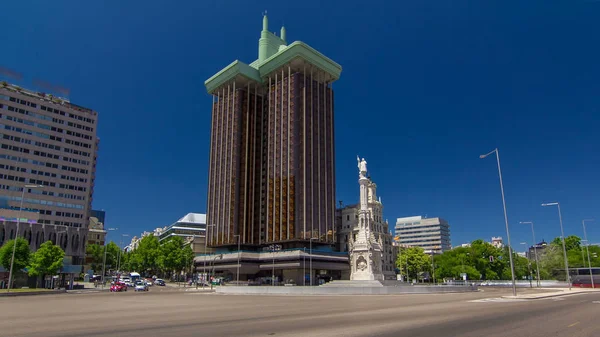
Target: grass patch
[(31, 290)]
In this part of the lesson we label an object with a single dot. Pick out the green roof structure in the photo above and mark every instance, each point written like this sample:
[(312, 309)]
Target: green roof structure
[(273, 53)]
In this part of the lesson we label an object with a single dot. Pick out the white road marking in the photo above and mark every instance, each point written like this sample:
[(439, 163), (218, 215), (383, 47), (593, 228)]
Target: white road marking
[(596, 302), (497, 299)]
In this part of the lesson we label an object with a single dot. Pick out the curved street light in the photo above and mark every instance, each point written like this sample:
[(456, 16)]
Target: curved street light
[(537, 262), (562, 233), (512, 266)]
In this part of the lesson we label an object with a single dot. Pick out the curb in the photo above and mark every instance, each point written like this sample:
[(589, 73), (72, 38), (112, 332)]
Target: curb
[(34, 293), (550, 296)]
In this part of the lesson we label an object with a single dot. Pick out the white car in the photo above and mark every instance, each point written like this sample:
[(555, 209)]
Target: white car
[(141, 286)]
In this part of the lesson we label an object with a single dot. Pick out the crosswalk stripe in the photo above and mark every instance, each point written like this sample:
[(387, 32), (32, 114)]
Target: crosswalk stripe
[(497, 299)]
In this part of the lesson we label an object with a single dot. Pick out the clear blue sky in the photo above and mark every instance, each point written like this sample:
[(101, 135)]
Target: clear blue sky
[(426, 87)]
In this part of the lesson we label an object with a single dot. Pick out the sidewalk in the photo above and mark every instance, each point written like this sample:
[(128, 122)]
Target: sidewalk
[(554, 293)]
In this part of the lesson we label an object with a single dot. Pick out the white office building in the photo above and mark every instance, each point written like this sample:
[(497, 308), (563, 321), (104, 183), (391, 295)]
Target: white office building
[(431, 234)]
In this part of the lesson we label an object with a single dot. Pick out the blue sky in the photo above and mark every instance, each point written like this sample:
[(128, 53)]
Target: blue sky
[(426, 87)]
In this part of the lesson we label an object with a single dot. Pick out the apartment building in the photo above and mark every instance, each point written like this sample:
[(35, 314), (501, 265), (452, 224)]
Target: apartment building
[(48, 154)]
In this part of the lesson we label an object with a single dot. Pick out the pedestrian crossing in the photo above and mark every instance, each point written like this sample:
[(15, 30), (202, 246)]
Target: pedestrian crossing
[(497, 299)]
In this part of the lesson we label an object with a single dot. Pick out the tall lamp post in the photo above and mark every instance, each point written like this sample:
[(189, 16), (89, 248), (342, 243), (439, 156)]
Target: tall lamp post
[(105, 249), (562, 233), (205, 255), (310, 257), (528, 267), (12, 259), (512, 266), (237, 278), (537, 261), (274, 248), (120, 251), (587, 247)]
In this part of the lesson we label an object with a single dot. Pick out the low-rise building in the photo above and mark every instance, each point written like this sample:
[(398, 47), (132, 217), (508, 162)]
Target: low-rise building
[(431, 234), (71, 240), (497, 241), (96, 236), (192, 228)]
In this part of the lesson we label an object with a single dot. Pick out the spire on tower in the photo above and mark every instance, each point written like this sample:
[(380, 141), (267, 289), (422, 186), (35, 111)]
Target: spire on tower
[(265, 21), (282, 35)]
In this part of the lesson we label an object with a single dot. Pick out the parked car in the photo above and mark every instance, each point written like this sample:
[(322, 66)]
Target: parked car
[(141, 286), (149, 282), (118, 286), (160, 282)]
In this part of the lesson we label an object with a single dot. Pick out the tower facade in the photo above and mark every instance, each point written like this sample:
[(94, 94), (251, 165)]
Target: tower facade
[(272, 168)]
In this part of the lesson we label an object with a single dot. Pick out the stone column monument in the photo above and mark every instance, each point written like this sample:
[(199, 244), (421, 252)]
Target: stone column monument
[(365, 250)]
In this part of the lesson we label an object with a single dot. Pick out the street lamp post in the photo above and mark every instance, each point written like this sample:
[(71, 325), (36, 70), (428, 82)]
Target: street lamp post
[(120, 251), (587, 247), (528, 267), (220, 256), (273, 248), (310, 263), (12, 259), (433, 266), (562, 233), (105, 249), (238, 261), (205, 255), (537, 262), (512, 266)]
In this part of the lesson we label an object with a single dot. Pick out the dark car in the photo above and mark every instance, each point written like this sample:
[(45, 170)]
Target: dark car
[(160, 282)]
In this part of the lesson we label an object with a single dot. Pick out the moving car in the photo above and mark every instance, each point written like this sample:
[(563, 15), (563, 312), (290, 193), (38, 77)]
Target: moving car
[(159, 282), (118, 287), (141, 286)]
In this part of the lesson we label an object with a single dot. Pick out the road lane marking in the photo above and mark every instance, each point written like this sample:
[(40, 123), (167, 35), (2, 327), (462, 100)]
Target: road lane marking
[(497, 299), (572, 325), (596, 302)]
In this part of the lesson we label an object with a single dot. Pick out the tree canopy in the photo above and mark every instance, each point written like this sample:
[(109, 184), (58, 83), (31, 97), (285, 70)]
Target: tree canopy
[(47, 260), (482, 261), (22, 254), (413, 261)]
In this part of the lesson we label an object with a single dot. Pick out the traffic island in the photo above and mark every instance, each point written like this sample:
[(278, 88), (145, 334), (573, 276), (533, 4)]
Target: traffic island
[(30, 292), (346, 289)]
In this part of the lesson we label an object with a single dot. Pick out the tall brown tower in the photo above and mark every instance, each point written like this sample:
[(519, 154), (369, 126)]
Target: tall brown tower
[(272, 167)]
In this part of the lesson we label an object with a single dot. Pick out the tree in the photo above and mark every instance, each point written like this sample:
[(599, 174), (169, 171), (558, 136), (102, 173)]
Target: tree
[(175, 255), (47, 260), (413, 260), (571, 242), (112, 255), (171, 258), (146, 256), (22, 254), (96, 252)]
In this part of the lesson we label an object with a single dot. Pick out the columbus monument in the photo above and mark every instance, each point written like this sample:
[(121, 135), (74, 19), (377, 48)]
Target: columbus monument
[(365, 250)]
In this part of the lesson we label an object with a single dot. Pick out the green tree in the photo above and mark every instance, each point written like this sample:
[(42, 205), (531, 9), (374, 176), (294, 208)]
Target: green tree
[(413, 261), (96, 252), (188, 258), (47, 260), (171, 257), (571, 242), (22, 254), (112, 255), (146, 255)]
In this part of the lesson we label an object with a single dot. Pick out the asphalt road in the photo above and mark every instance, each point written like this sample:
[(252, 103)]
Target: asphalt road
[(180, 313)]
